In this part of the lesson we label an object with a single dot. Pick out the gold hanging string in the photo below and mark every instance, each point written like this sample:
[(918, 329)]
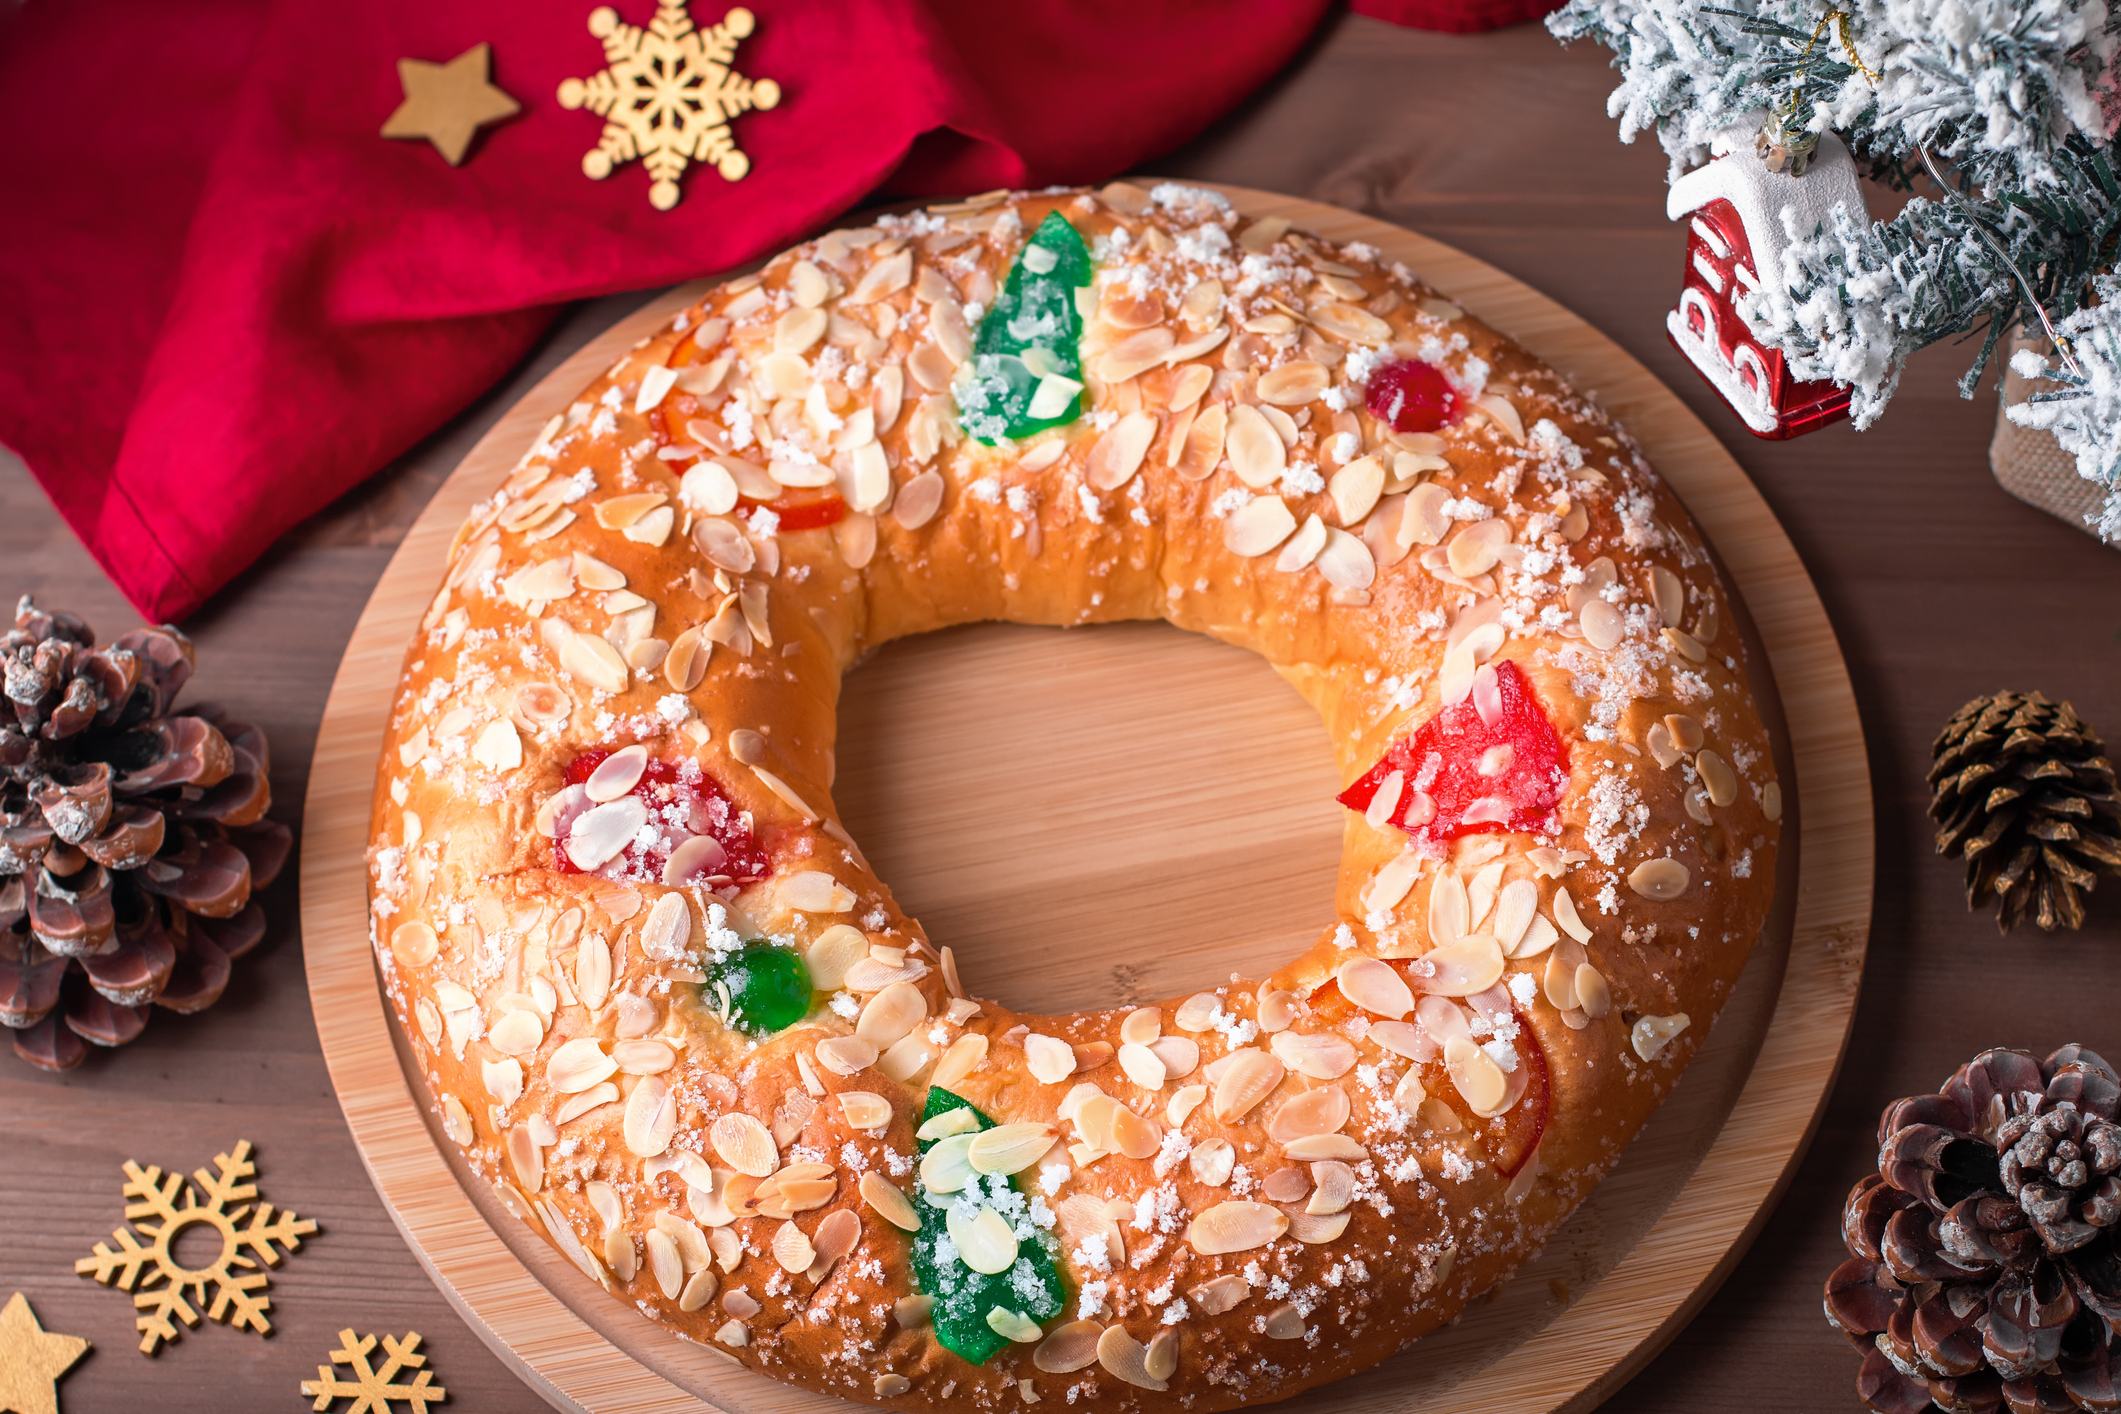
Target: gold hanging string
[(1839, 19)]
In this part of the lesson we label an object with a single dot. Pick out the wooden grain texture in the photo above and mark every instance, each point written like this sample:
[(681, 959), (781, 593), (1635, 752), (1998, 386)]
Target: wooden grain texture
[(1939, 585), (946, 722)]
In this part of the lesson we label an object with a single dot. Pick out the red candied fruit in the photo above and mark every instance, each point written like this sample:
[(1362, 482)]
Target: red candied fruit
[(1490, 763), (809, 515), (683, 801), (797, 510), (1412, 396)]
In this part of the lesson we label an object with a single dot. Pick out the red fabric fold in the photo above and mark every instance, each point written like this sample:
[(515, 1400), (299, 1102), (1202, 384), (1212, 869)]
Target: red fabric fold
[(1455, 16), (224, 299)]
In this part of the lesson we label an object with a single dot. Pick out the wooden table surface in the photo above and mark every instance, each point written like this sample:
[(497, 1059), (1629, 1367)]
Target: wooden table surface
[(1940, 585)]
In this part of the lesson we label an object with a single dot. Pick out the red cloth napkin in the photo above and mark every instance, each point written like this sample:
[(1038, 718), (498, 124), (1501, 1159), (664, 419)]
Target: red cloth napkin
[(1455, 16), (224, 299)]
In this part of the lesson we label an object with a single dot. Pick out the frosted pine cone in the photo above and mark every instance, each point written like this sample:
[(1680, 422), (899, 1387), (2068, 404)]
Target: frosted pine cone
[(131, 837), (1983, 1271)]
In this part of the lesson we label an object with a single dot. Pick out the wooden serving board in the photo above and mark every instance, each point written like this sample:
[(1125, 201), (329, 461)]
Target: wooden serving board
[(1096, 814)]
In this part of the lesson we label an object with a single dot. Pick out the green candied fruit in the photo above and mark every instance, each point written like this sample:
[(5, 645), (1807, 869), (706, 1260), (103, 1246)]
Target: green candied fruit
[(1027, 369), (1031, 1288), (760, 988)]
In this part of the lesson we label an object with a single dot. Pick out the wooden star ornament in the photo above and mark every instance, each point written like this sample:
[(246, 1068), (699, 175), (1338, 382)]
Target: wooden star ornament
[(447, 103), (32, 1359)]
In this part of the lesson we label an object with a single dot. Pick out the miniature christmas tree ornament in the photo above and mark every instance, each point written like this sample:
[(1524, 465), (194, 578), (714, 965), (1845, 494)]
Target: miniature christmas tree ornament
[(1999, 120), (1740, 212)]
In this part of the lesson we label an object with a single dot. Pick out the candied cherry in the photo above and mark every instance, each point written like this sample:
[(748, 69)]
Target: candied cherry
[(1490, 763), (768, 987), (1412, 396)]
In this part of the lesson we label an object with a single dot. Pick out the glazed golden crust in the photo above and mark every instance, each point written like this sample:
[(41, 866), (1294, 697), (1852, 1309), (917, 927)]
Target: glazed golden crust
[(559, 1017)]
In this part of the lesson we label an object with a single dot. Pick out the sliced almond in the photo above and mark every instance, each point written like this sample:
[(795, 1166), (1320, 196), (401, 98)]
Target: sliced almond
[(1048, 1059), (1450, 912), (1603, 625), (1317, 1228), (891, 1014), (1204, 444), (745, 1145), (1294, 384), (1257, 453), (1118, 452), (883, 278), (1258, 526), (1009, 1148), (1235, 1226), (1350, 324), (985, 1242), (594, 661), (965, 1053), (846, 1055), (864, 1109), (1355, 489), (1717, 778), (1475, 549), (1503, 413), (1660, 880), (1069, 1348), (622, 511), (1136, 354), (1668, 593), (888, 1202), (792, 1249), (651, 1117), (1571, 921), (1346, 563), (1463, 968), (1651, 1034), (1303, 547), (1375, 986), (1285, 1322), (1320, 1111), (918, 500), (832, 952), (1250, 1077), (1480, 1082), (1320, 1055)]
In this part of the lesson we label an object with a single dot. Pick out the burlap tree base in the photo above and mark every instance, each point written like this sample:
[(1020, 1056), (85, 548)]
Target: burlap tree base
[(2029, 464)]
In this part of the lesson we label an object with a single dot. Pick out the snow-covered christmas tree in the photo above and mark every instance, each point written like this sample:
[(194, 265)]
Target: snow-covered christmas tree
[(1999, 114)]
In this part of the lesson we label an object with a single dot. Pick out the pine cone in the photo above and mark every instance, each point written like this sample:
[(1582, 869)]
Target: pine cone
[(1983, 1270), (131, 837), (2023, 788)]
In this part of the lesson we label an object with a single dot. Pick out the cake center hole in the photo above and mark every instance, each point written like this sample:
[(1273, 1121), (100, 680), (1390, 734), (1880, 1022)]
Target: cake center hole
[(1092, 817)]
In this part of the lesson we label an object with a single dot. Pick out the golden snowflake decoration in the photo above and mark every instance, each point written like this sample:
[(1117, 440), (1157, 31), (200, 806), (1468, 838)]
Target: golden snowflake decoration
[(667, 96), (239, 1287), (371, 1389)]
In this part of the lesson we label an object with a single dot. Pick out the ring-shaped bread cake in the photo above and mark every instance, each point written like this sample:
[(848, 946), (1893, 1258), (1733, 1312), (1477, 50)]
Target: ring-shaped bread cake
[(660, 998)]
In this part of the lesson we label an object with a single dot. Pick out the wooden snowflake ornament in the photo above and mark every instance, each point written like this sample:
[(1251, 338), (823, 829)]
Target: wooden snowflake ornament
[(372, 1390), (230, 1210), (667, 96)]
